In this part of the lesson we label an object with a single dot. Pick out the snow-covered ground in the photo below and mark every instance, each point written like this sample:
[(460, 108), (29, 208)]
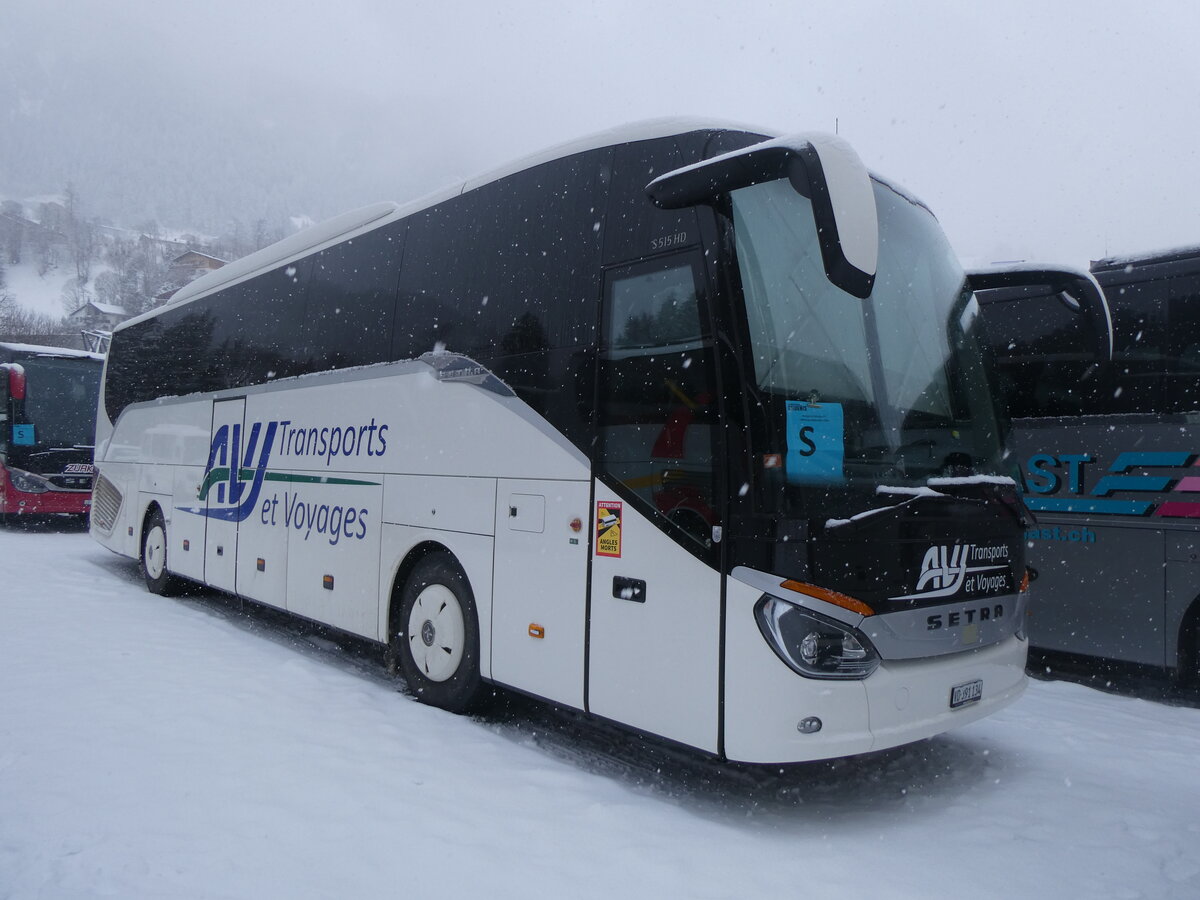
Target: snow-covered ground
[(40, 293), (186, 748)]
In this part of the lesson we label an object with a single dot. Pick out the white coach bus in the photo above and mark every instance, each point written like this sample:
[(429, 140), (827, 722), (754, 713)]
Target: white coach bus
[(680, 426)]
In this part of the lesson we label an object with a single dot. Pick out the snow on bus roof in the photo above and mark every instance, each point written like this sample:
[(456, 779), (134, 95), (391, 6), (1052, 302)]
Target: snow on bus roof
[(351, 223), (44, 350), (1155, 256)]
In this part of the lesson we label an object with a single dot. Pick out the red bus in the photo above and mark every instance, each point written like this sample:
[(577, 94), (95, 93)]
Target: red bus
[(47, 426)]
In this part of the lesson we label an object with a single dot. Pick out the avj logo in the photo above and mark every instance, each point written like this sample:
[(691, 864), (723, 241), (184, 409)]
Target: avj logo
[(236, 472), (237, 469), (947, 570)]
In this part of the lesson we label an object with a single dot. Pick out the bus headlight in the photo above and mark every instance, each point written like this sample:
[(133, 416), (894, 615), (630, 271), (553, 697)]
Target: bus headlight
[(813, 645), (27, 482)]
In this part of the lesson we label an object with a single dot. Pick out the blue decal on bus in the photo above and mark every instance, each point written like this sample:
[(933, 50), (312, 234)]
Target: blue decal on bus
[(815, 442), (1049, 474)]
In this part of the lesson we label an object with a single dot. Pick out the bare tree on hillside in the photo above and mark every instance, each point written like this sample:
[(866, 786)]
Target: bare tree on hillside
[(18, 322), (12, 231), (81, 235)]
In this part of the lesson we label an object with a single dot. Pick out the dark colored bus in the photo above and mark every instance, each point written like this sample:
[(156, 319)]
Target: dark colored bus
[(1110, 457), (48, 401)]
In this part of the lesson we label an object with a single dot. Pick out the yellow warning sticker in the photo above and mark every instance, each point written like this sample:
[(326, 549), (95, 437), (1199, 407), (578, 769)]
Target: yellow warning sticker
[(608, 528)]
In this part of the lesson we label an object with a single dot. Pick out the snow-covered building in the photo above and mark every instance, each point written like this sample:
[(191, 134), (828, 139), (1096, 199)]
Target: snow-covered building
[(94, 315), (186, 268)]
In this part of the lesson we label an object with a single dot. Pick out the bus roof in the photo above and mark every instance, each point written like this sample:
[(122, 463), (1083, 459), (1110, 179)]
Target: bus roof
[(42, 350), (1174, 254), (368, 217), (350, 224)]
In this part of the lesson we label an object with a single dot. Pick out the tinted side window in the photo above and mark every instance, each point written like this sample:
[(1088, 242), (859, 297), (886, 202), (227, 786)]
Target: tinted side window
[(1134, 381), (247, 334), (1183, 329), (352, 300), (538, 247), (259, 332), (171, 354), (439, 301), (1042, 352), (1046, 367), (635, 227), (506, 269)]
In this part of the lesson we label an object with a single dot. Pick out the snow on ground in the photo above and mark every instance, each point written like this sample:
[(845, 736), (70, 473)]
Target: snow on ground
[(187, 748)]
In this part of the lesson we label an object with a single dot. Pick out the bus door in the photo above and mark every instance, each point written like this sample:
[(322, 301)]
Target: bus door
[(224, 488), (655, 611)]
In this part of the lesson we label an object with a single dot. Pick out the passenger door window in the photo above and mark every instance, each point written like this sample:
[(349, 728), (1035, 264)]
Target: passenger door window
[(658, 399)]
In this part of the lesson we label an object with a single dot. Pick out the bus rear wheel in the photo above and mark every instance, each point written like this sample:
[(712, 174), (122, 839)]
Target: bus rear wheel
[(435, 637), (154, 557)]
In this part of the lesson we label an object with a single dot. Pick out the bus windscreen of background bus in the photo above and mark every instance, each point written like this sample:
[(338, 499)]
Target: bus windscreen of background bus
[(49, 397)]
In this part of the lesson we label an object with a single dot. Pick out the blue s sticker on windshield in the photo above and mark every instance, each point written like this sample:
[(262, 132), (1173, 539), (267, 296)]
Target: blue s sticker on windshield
[(22, 435), (815, 442)]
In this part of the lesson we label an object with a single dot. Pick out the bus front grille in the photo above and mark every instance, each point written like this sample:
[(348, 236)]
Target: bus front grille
[(106, 504)]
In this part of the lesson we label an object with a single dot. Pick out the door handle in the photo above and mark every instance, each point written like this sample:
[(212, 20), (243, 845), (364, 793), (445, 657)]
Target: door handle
[(632, 589)]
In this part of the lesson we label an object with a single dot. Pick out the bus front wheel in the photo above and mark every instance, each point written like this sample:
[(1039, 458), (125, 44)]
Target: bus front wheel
[(154, 557), (436, 635)]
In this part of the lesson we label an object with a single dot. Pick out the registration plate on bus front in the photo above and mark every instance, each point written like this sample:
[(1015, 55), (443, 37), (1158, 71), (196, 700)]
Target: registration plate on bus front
[(962, 694)]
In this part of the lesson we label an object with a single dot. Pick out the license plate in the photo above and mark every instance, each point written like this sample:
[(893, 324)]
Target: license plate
[(962, 694)]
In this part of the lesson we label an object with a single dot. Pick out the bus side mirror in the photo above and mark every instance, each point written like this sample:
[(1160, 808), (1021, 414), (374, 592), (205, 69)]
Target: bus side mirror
[(1075, 289), (823, 168)]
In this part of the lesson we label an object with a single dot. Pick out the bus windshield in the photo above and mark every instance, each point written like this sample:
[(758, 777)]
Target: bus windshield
[(61, 400), (853, 394)]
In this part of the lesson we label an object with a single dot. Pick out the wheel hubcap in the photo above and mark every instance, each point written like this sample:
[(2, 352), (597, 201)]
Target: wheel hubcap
[(155, 552), (436, 633)]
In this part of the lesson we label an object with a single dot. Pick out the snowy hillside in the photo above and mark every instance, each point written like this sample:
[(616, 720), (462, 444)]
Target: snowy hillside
[(40, 293), (185, 748)]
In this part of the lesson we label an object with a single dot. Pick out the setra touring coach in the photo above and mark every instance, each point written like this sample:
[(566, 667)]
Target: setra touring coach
[(684, 426)]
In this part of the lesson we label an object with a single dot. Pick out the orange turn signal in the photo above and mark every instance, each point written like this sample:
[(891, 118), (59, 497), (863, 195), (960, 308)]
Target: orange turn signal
[(536, 631), (843, 600)]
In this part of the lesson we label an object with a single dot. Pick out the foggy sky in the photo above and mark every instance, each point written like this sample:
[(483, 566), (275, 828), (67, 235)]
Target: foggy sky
[(1064, 133)]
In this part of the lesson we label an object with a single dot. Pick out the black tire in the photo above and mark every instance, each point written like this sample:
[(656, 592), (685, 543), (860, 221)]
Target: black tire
[(153, 557), (435, 637), (1191, 675)]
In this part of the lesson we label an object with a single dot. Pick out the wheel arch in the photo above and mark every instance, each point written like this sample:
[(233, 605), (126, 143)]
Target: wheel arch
[(405, 569), (404, 547), (148, 510), (1188, 650)]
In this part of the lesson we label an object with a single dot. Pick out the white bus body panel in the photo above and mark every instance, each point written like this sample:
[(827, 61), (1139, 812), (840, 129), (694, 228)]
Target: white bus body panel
[(185, 533), (540, 588), (416, 436), (442, 503), (655, 665), (901, 701), (764, 699), (221, 537)]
